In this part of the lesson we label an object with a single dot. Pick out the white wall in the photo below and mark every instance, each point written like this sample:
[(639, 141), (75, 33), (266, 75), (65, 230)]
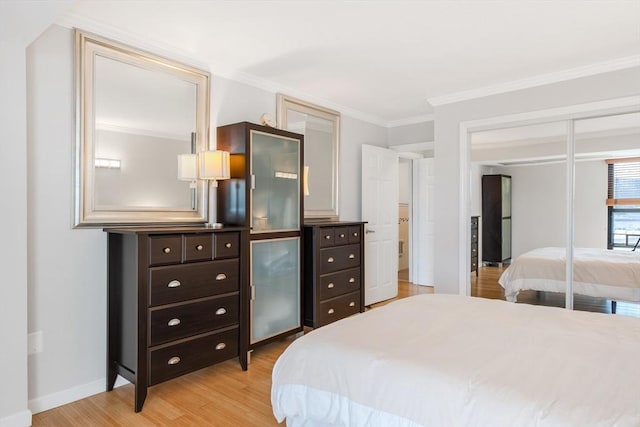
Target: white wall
[(13, 251), (539, 206), (411, 134), (20, 23), (616, 84), (67, 281)]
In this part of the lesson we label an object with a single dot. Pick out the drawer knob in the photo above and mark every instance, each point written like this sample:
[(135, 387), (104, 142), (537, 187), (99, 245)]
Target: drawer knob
[(330, 285), (173, 322), (328, 237), (474, 236), (331, 311), (342, 236), (221, 276), (221, 346), (199, 248), (330, 259), (352, 280), (174, 284), (351, 256), (352, 304), (174, 360), (227, 245), (355, 234), (166, 250), (221, 311)]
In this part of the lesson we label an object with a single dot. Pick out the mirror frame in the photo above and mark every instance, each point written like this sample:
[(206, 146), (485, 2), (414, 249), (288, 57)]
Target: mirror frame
[(87, 47), (287, 103)]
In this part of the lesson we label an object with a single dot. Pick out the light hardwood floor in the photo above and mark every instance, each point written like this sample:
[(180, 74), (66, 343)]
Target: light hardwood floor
[(220, 395), (224, 395)]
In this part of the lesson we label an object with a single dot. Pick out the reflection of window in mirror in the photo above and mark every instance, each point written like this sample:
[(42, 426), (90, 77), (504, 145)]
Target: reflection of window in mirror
[(321, 129)]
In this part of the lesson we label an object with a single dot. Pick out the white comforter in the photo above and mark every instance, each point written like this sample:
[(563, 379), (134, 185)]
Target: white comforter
[(597, 272), (446, 360)]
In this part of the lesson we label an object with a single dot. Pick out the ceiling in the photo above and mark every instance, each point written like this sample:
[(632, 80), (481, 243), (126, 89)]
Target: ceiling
[(384, 61)]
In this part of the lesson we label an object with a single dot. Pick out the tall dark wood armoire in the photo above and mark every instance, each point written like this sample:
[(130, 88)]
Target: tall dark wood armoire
[(496, 219)]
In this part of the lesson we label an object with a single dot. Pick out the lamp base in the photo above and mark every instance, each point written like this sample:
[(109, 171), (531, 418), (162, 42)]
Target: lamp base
[(214, 225)]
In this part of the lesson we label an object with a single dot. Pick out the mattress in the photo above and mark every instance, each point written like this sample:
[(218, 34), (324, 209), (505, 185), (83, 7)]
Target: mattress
[(448, 360), (597, 273)]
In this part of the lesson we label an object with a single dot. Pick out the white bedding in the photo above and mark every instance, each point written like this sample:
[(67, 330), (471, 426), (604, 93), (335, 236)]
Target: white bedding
[(597, 272), (447, 360)]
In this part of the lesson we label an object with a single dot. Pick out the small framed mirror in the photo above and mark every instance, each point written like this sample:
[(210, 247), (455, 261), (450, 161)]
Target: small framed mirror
[(321, 129), (136, 115)]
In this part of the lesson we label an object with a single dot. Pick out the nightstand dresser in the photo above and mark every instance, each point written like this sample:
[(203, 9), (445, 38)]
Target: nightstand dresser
[(174, 302), (333, 271)]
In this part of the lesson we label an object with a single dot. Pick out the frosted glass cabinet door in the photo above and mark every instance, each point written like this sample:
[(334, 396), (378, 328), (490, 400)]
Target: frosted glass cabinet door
[(275, 278), (275, 198)]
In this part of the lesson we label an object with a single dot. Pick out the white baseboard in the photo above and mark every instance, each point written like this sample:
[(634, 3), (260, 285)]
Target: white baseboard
[(20, 419), (69, 395)]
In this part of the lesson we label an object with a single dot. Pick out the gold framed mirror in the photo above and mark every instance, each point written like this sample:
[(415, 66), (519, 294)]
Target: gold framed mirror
[(321, 129), (136, 112)]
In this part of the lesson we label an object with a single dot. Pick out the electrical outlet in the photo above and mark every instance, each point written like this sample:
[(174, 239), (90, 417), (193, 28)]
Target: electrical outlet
[(34, 343)]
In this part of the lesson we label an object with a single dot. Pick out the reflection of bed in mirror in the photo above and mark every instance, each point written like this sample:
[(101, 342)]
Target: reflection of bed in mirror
[(599, 273), (450, 360)]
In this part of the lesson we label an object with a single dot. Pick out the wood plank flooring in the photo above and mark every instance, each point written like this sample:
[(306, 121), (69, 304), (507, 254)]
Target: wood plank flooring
[(223, 395)]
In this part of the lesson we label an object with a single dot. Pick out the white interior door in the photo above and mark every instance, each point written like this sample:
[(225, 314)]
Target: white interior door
[(423, 249), (380, 211)]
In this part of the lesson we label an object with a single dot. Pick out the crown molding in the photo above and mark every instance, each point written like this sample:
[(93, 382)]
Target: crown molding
[(411, 120), (540, 80), (139, 41)]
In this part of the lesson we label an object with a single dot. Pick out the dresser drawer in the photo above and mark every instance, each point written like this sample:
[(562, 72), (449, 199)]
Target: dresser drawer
[(342, 282), (197, 247), (341, 235), (326, 237), (339, 258), (227, 245), (188, 281), (188, 319), (165, 250), (354, 234), (338, 308), (170, 361)]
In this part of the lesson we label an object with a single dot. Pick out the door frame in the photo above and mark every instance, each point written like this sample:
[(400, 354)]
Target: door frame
[(411, 152), (568, 113)]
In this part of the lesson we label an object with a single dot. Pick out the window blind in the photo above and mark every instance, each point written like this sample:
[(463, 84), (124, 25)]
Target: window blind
[(623, 182)]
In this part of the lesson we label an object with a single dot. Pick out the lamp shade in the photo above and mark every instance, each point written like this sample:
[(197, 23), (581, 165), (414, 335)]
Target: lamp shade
[(187, 167), (214, 165), (305, 180)]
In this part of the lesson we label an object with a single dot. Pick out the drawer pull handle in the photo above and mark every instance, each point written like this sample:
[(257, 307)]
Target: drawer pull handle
[(221, 311), (166, 250), (352, 280), (173, 322), (174, 360), (330, 285), (352, 304), (199, 248), (328, 237), (221, 346), (221, 276), (342, 236), (351, 256), (227, 245), (174, 284), (330, 259), (331, 311)]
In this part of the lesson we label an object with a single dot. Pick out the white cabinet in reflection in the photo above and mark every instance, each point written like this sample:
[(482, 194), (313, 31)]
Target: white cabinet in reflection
[(264, 194)]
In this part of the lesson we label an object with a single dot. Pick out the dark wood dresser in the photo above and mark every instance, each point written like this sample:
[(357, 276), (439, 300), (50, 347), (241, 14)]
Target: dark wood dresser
[(333, 271), (174, 302), (474, 244)]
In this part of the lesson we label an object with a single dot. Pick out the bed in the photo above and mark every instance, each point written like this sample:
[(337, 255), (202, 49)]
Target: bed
[(449, 360), (598, 273)]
